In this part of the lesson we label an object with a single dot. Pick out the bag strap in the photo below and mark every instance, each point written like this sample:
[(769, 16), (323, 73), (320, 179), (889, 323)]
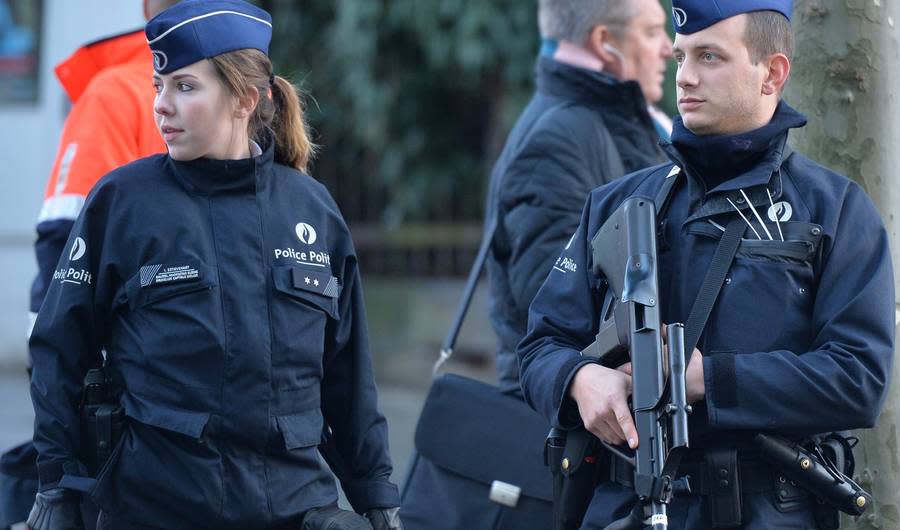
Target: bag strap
[(474, 275), (712, 284), (715, 275), (466, 300)]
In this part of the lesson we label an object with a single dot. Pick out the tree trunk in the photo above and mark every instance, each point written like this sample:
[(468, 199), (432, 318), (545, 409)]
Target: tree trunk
[(845, 78)]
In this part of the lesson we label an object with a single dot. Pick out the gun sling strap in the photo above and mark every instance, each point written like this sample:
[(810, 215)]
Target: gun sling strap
[(712, 284)]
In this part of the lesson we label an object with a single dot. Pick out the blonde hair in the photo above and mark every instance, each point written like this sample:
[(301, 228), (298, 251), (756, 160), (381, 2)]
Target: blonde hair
[(279, 110)]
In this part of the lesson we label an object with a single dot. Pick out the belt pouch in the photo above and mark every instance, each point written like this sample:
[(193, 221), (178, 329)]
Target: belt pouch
[(553, 454), (579, 470), (723, 477)]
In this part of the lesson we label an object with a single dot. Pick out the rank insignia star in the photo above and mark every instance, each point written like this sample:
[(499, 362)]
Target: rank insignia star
[(316, 283), (307, 279)]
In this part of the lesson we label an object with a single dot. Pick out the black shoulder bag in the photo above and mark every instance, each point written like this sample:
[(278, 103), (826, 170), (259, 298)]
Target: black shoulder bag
[(478, 461)]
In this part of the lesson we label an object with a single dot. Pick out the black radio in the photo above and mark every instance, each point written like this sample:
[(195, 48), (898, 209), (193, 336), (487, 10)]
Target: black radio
[(102, 420)]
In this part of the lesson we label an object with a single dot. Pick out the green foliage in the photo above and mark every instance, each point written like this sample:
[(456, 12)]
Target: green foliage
[(409, 98)]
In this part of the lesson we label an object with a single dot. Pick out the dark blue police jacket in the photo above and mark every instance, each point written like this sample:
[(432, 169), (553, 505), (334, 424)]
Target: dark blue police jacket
[(580, 130), (801, 338), (227, 297)]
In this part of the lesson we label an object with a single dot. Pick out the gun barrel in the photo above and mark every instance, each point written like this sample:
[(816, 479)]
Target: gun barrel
[(677, 369)]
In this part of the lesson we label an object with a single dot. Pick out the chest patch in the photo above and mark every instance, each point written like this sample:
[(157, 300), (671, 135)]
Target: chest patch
[(152, 275), (317, 282), (781, 212)]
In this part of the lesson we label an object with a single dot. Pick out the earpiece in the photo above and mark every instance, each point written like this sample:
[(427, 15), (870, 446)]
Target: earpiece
[(613, 50)]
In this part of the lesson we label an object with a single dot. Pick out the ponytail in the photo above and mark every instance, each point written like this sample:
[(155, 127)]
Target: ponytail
[(279, 111), (292, 144)]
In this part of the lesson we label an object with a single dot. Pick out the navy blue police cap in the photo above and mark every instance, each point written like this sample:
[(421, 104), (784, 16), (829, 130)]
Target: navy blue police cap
[(691, 16), (192, 30)]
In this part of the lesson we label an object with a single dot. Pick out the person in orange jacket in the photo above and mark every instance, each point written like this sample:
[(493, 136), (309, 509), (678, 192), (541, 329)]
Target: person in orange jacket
[(111, 123)]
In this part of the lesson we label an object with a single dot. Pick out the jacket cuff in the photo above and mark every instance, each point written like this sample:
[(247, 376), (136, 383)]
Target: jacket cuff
[(567, 416), (720, 379), (365, 495), (51, 473)]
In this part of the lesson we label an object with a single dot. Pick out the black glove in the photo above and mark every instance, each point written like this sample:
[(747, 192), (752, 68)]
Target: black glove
[(333, 518), (384, 518), (55, 509)]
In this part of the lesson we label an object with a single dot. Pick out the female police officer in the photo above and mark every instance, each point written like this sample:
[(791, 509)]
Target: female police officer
[(223, 286)]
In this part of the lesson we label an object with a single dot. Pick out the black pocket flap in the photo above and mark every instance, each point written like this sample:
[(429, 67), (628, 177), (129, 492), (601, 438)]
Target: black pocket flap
[(801, 240), (313, 287), (154, 283), (301, 430), (473, 429), (186, 422)]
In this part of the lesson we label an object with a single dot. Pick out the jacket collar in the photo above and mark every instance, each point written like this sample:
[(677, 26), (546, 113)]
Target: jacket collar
[(759, 182), (758, 174), (211, 177), (76, 72), (735, 161), (590, 87)]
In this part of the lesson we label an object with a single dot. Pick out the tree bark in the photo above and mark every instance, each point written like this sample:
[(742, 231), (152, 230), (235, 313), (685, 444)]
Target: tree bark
[(845, 78)]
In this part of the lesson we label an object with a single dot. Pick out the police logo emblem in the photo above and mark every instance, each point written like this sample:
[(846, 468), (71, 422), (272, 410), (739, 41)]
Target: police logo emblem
[(78, 249), (160, 60), (680, 16), (305, 233), (780, 212)]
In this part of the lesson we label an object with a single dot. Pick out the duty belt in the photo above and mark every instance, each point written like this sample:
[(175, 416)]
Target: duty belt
[(756, 476)]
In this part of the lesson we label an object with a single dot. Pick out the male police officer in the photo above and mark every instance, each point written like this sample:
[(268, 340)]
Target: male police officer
[(800, 339), (601, 63)]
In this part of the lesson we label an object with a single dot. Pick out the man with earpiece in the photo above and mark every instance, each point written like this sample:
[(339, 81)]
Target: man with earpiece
[(601, 66)]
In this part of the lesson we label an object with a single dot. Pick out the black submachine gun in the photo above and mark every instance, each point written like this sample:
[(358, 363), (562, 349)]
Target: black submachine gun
[(625, 256)]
